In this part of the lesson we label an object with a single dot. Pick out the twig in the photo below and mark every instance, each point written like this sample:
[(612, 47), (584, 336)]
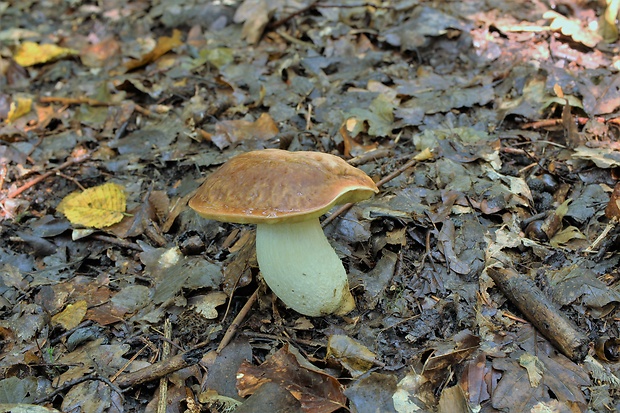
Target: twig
[(370, 156), (91, 102), (291, 16), (317, 4), (344, 208), (40, 178), (122, 369), (162, 368), (273, 337), (73, 101), (234, 326), (610, 225), (163, 382), (117, 241)]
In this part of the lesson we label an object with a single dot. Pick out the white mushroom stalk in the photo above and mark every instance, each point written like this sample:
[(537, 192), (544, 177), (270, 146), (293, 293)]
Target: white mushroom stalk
[(302, 269)]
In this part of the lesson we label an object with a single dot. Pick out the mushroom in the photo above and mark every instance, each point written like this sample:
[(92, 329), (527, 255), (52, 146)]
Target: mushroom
[(284, 194)]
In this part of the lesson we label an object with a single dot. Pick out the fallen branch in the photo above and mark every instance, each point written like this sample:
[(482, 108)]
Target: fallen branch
[(90, 102), (234, 326), (541, 312), (160, 369), (36, 180)]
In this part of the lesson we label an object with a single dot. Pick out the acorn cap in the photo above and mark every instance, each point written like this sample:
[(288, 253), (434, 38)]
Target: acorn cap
[(273, 186)]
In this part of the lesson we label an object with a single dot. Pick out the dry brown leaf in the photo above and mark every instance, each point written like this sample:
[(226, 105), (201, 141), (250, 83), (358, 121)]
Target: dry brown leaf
[(71, 316), (354, 356), (317, 391), (163, 46), (234, 131)]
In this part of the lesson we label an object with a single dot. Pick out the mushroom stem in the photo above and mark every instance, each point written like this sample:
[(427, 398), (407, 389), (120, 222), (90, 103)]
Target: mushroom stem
[(302, 269)]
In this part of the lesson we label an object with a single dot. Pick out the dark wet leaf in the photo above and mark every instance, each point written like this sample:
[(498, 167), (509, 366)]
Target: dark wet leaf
[(317, 391), (372, 392)]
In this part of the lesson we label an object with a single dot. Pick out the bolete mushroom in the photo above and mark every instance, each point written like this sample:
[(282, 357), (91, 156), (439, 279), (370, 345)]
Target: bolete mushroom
[(284, 194)]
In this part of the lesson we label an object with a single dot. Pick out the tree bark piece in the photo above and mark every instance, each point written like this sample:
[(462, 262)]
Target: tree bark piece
[(541, 312)]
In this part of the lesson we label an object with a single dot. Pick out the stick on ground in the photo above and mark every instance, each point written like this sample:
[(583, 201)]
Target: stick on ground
[(541, 312)]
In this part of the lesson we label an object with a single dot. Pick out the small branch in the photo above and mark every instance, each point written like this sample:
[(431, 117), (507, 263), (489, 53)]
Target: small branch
[(163, 382), (234, 326), (74, 101), (317, 4), (40, 178), (117, 241), (273, 337), (162, 368), (91, 102), (370, 156), (541, 312)]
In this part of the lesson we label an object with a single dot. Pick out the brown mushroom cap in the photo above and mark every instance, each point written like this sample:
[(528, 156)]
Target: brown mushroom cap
[(272, 186)]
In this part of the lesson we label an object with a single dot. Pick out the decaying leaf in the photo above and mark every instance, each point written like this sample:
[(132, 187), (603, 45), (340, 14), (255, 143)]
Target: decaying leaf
[(534, 368), (96, 207), (379, 115), (354, 356), (317, 391), (234, 131), (72, 315), (607, 22), (205, 305)]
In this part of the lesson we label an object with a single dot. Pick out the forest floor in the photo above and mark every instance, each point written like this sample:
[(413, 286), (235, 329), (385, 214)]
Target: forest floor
[(485, 271)]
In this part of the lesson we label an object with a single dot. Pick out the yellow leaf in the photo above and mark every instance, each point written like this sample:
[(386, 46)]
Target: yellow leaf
[(97, 207), (71, 316), (19, 107), (163, 46), (31, 53)]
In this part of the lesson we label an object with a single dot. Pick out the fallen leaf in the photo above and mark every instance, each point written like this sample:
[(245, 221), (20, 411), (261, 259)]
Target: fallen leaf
[(19, 107), (31, 53), (97, 207), (317, 391), (534, 368), (255, 14), (607, 22), (97, 55), (71, 316), (163, 46), (354, 356), (572, 28), (206, 305), (379, 115), (234, 131)]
